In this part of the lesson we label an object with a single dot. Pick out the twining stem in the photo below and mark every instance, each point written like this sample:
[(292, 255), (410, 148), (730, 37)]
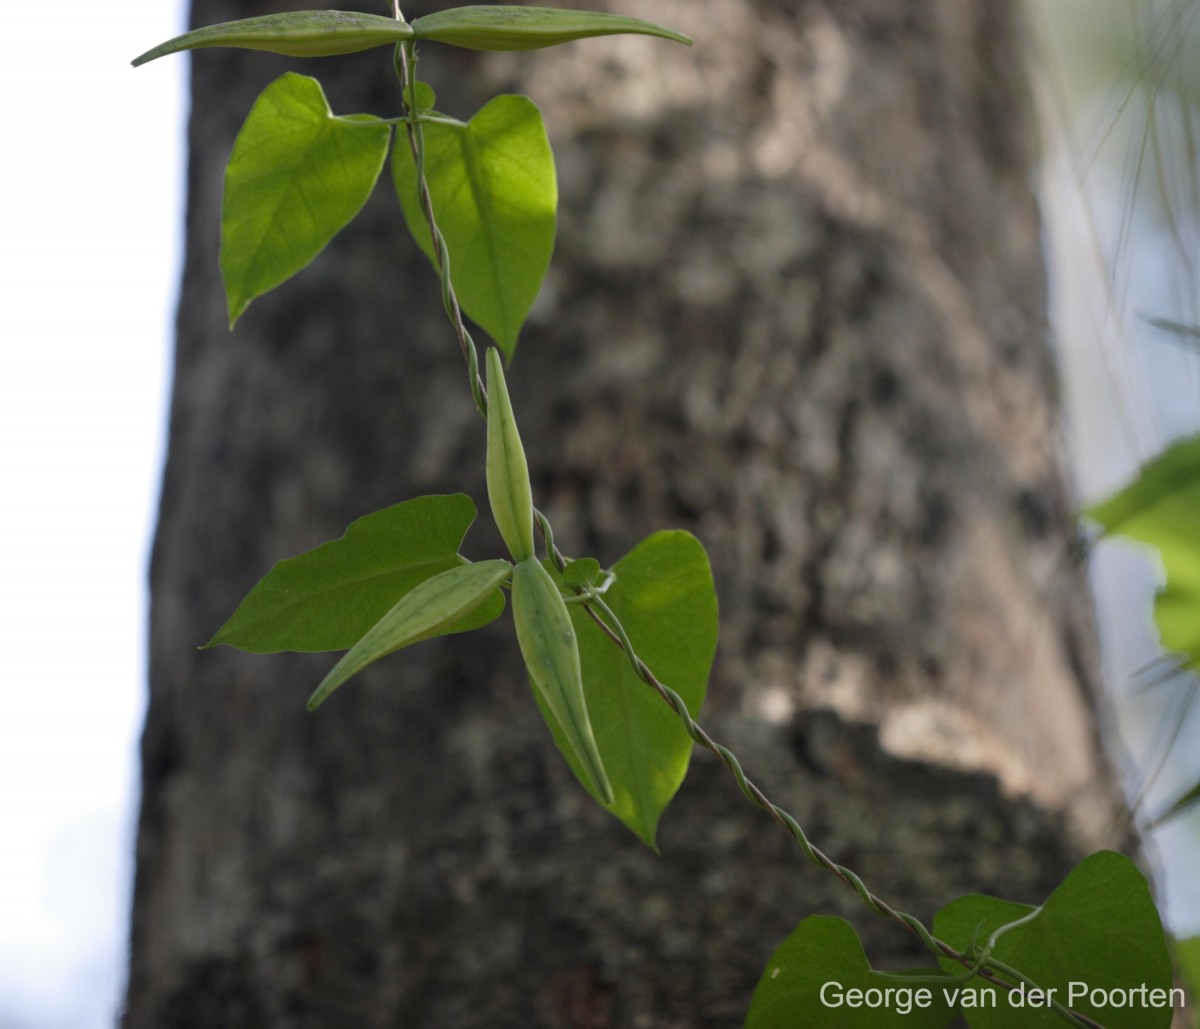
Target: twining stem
[(406, 62), (600, 613), (606, 619), (1030, 986)]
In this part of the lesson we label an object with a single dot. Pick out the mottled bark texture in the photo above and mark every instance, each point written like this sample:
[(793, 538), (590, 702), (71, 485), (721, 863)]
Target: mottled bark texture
[(798, 308)]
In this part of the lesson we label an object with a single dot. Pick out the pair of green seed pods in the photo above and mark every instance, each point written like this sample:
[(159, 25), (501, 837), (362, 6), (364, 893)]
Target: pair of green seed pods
[(544, 630), (487, 27)]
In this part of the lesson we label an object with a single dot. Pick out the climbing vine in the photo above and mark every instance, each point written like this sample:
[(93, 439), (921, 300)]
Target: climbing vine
[(618, 656)]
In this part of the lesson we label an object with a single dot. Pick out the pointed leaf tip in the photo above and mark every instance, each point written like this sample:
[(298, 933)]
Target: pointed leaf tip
[(327, 598), (507, 470), (495, 192)]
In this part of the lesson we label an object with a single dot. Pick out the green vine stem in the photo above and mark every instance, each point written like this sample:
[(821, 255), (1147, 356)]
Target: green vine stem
[(606, 619), (406, 62), (1074, 1017), (985, 967)]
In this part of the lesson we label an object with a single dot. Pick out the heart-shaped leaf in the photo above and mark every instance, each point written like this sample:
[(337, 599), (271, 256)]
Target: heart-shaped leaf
[(819, 978), (1096, 946), (297, 175), (328, 597), (420, 97), (663, 595), (584, 572), (495, 198)]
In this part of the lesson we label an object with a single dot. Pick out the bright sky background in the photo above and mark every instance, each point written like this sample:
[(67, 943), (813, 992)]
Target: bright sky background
[(1116, 259), (91, 219), (90, 215)]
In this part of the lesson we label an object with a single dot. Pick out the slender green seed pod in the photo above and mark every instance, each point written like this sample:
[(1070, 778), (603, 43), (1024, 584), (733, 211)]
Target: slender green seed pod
[(551, 653), (434, 605), (502, 27), (507, 470), (295, 33)]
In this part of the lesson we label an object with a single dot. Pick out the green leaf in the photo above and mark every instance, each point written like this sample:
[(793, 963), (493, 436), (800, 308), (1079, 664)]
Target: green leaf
[(584, 572), (295, 33), (819, 978), (429, 610), (1099, 930), (1187, 956), (420, 97), (495, 197), (664, 597), (1162, 508), (1189, 798), (1176, 470), (297, 175), (328, 597), (494, 27)]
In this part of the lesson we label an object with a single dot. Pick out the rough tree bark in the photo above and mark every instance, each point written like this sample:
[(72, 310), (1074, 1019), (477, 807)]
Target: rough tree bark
[(798, 308)]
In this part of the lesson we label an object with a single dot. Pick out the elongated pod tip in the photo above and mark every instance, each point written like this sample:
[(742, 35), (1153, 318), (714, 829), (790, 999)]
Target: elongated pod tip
[(294, 33), (551, 652), (507, 470), (509, 27), (424, 611)]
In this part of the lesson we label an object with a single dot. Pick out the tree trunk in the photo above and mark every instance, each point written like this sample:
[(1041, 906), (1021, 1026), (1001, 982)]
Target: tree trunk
[(797, 307)]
